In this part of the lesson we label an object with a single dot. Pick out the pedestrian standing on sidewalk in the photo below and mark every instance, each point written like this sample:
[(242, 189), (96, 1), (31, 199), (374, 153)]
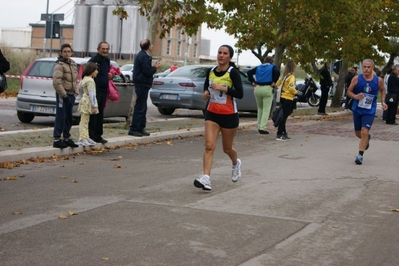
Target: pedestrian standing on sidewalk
[(364, 90), (101, 80), (287, 103), (4, 64), (266, 76), (325, 84), (88, 104), (222, 86), (392, 96), (65, 77), (143, 75)]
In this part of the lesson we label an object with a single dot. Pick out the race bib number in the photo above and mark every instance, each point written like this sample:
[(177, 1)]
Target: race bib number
[(217, 96), (367, 101)]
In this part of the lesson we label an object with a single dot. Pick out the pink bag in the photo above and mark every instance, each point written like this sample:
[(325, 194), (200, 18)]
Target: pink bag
[(112, 92)]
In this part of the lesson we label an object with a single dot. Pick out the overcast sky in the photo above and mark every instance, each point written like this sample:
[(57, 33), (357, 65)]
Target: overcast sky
[(23, 12)]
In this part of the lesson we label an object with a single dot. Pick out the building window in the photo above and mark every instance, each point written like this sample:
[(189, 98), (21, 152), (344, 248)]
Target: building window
[(168, 47), (179, 34), (195, 50), (178, 48)]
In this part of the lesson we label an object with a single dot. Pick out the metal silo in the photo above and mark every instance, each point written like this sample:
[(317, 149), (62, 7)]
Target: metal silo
[(97, 27), (112, 32), (93, 2), (81, 30), (130, 43)]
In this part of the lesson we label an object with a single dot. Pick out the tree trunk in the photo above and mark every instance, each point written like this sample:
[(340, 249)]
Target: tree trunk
[(278, 56), (339, 90), (131, 109), (154, 20)]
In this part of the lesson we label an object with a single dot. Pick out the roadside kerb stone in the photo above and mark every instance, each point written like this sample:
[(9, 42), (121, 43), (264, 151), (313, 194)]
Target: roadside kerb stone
[(47, 151)]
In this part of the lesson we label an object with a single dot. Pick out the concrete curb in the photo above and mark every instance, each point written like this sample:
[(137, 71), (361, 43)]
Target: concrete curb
[(47, 151)]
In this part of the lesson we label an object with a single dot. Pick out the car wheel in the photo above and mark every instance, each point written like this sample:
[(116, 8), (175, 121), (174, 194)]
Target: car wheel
[(166, 111), (25, 117)]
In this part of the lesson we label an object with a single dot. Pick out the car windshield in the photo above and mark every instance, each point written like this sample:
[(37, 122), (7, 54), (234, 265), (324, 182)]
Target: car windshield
[(126, 67), (190, 72), (42, 69)]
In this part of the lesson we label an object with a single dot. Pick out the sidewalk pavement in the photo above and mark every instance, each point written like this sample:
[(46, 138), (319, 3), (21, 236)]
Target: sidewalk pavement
[(28, 144)]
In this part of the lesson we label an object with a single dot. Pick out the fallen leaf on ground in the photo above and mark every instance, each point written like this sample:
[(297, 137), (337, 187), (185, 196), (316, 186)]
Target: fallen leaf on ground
[(10, 178), (62, 217), (17, 213), (394, 210), (74, 181), (105, 258), (117, 165), (63, 177), (169, 142), (72, 213)]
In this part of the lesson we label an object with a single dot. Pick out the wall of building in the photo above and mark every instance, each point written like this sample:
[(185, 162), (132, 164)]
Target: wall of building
[(16, 37), (94, 23)]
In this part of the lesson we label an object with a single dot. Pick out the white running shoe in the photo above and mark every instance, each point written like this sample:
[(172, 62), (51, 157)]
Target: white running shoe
[(236, 171), (92, 142), (204, 182), (84, 142)]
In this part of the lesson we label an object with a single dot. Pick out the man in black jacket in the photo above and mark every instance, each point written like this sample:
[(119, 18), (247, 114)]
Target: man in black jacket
[(325, 84), (142, 77), (104, 65), (4, 64)]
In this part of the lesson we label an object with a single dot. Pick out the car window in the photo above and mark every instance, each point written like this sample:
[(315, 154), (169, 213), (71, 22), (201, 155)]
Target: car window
[(126, 67), (118, 78), (198, 72), (244, 78), (42, 69)]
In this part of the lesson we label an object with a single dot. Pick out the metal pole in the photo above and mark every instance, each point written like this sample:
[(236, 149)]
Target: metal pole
[(45, 29), (51, 35), (120, 39)]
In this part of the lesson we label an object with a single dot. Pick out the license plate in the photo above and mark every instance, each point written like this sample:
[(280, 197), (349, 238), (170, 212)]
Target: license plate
[(42, 109), (169, 97)]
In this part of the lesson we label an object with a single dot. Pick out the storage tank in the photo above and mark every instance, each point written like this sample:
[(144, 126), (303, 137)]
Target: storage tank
[(93, 2), (130, 44), (112, 32), (81, 30), (97, 26)]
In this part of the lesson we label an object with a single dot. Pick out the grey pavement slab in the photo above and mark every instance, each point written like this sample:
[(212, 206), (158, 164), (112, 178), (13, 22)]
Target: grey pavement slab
[(300, 202)]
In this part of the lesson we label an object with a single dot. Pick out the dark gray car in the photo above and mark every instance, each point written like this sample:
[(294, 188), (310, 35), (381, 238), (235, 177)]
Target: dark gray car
[(184, 87)]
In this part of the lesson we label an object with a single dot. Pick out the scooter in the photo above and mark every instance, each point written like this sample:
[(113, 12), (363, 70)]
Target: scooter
[(309, 93)]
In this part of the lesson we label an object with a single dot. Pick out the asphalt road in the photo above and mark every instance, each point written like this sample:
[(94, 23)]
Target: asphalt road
[(301, 202)]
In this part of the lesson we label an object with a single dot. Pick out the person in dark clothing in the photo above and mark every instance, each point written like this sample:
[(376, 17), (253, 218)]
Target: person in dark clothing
[(392, 97), (104, 65), (4, 64), (325, 84), (266, 76), (143, 74), (348, 79)]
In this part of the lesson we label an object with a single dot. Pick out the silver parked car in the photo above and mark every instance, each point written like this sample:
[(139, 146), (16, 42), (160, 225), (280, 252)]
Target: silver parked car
[(184, 87), (36, 96)]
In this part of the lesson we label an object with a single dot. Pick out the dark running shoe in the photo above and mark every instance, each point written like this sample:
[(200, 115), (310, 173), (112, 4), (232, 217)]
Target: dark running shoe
[(70, 143), (59, 144)]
